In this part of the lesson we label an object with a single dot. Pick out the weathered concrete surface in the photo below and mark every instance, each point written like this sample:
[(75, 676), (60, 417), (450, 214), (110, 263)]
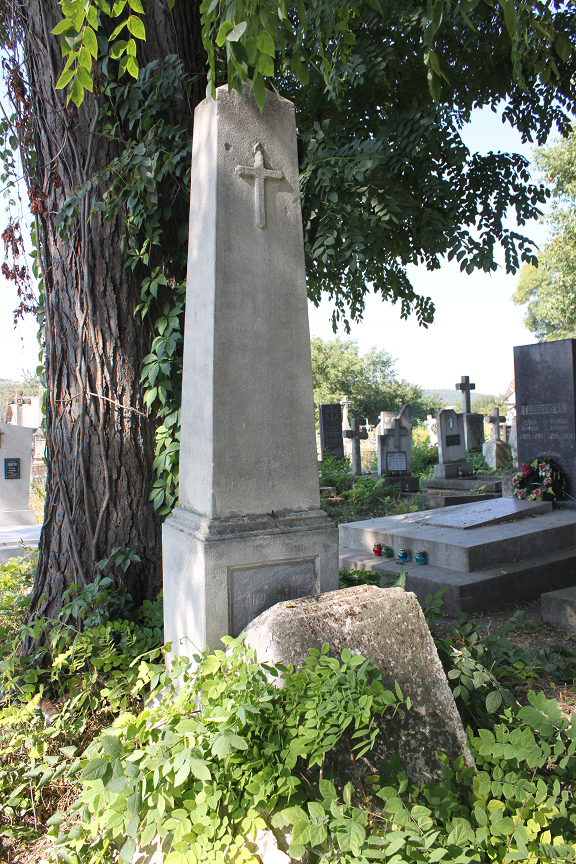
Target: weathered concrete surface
[(559, 608), (387, 625)]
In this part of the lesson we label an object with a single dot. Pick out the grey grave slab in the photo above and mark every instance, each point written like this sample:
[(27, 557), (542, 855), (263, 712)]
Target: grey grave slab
[(480, 567), (487, 513)]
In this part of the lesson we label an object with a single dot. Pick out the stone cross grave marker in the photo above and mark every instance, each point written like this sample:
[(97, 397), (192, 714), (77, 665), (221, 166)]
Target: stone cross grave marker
[(473, 423), (249, 530), (495, 419), (496, 452), (465, 386), (330, 417), (356, 434), (451, 446)]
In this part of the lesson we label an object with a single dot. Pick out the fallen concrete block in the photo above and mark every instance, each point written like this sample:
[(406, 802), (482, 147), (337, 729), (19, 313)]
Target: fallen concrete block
[(387, 625)]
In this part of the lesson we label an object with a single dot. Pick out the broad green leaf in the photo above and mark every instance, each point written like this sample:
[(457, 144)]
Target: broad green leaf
[(259, 91), (136, 27), (64, 26), (225, 28), (90, 41), (200, 769), (65, 79), (84, 78), (95, 769), (112, 746), (237, 32), (266, 43)]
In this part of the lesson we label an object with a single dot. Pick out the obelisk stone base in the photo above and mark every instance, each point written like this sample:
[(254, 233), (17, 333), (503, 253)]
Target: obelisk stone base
[(220, 574)]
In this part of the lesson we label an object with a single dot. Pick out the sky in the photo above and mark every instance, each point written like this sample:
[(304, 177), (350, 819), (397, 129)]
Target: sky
[(476, 324)]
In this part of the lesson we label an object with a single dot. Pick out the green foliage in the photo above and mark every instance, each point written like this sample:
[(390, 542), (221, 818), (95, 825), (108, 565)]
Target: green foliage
[(55, 701), (335, 472), (549, 289), (371, 493), (79, 42), (424, 454), (481, 668), (370, 381), (204, 780)]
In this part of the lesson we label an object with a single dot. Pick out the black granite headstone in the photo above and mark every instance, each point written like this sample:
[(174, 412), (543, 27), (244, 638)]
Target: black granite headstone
[(331, 429), (545, 379)]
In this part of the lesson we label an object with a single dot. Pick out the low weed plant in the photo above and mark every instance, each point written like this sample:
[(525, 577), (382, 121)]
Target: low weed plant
[(335, 472)]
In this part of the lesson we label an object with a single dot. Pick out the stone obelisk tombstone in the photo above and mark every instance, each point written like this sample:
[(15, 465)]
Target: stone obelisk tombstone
[(249, 531)]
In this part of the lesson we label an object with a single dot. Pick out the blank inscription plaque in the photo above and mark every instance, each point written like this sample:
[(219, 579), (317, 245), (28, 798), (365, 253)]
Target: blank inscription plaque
[(254, 588)]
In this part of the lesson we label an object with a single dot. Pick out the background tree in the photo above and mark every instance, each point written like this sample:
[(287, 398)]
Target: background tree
[(550, 289), (381, 90), (369, 381)]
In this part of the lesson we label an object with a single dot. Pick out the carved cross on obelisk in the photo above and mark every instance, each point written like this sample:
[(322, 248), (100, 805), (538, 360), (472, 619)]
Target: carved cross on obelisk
[(465, 387), (260, 174)]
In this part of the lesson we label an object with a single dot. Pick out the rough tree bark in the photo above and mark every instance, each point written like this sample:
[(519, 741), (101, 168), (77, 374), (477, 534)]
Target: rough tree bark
[(99, 441)]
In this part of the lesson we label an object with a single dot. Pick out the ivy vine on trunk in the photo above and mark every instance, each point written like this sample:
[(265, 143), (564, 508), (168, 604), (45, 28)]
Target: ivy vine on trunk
[(100, 433)]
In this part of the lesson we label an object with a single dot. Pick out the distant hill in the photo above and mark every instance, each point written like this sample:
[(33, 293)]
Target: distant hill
[(453, 397)]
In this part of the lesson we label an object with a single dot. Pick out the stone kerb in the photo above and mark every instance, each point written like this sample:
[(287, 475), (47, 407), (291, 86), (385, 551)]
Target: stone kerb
[(387, 625)]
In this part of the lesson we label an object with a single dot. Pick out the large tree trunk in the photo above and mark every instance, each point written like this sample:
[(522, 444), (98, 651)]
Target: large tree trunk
[(99, 439)]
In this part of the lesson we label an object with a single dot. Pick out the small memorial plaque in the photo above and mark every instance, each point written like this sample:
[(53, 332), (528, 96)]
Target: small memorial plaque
[(254, 588), (396, 461), (11, 469), (453, 440)]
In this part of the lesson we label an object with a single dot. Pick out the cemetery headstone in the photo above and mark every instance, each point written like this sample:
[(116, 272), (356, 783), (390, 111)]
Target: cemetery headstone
[(355, 434), (15, 465), (451, 446), (496, 452), (330, 417), (473, 423), (248, 528), (545, 376), (395, 453)]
